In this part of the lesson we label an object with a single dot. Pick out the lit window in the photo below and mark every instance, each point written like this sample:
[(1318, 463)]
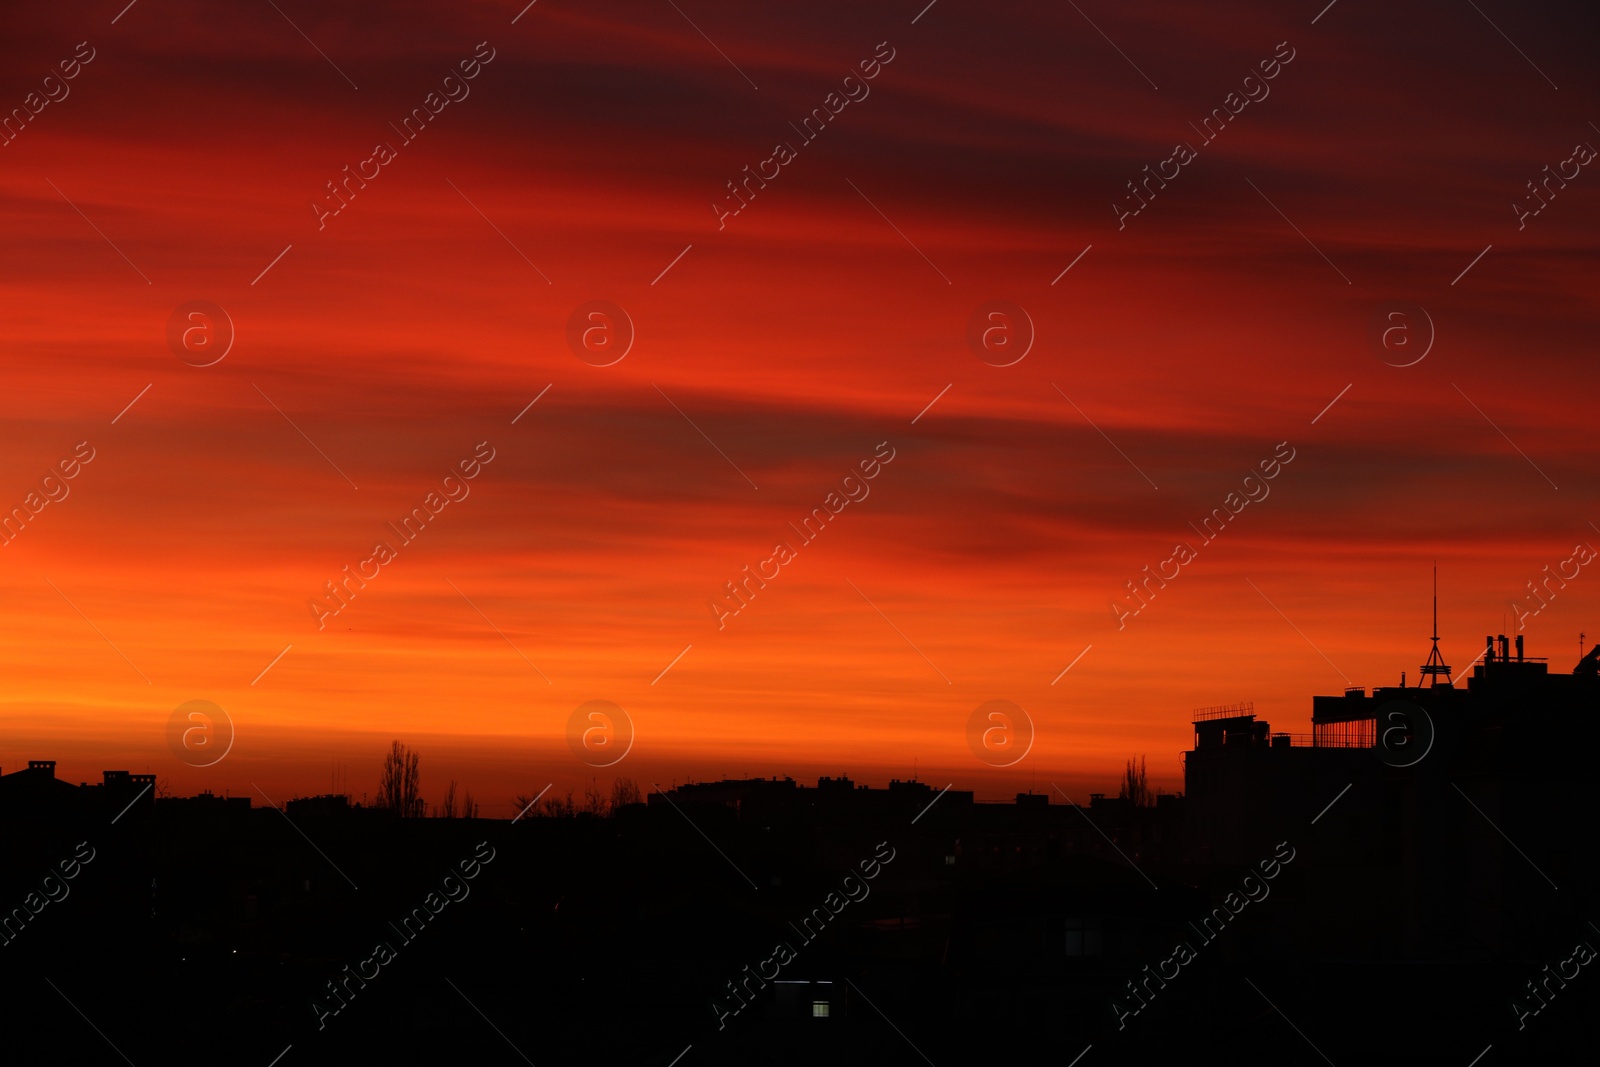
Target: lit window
[(819, 1009), (949, 861)]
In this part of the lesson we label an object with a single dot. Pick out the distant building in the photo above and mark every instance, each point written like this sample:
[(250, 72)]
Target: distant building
[(37, 793), (203, 802), (782, 800), (1430, 821), (324, 806)]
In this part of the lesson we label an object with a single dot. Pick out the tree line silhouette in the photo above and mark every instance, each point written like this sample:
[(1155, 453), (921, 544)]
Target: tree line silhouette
[(399, 791)]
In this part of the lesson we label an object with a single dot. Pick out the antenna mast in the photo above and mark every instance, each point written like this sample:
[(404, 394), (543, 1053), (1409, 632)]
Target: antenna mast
[(1435, 667)]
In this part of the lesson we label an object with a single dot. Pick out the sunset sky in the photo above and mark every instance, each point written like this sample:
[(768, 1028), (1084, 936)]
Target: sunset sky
[(771, 356)]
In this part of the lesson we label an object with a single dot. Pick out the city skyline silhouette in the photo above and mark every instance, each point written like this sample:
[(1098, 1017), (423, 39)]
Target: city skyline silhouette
[(700, 533)]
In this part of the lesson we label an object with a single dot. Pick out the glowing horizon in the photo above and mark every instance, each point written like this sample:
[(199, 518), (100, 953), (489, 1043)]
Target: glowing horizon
[(771, 353)]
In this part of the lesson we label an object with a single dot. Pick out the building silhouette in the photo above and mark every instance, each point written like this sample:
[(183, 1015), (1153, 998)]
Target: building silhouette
[(1437, 797), (1440, 834)]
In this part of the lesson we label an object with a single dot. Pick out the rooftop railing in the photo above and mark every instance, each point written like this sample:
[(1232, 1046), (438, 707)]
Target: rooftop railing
[(1225, 711)]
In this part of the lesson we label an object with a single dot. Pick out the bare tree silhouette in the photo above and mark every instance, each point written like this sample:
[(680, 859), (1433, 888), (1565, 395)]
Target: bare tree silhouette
[(398, 787), (551, 807), (594, 802), (1135, 788), (624, 792), (447, 810)]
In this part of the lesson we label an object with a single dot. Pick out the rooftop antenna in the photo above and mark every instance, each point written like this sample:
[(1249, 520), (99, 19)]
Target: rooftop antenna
[(1435, 667)]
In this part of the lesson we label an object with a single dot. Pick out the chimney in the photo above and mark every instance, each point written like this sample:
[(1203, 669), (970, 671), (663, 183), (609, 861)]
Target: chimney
[(1488, 649), (1519, 648), (48, 766), (1505, 648)]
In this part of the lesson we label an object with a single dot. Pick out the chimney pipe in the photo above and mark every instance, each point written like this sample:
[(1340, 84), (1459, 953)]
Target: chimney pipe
[(1488, 648), (1505, 648), (1519, 648)]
